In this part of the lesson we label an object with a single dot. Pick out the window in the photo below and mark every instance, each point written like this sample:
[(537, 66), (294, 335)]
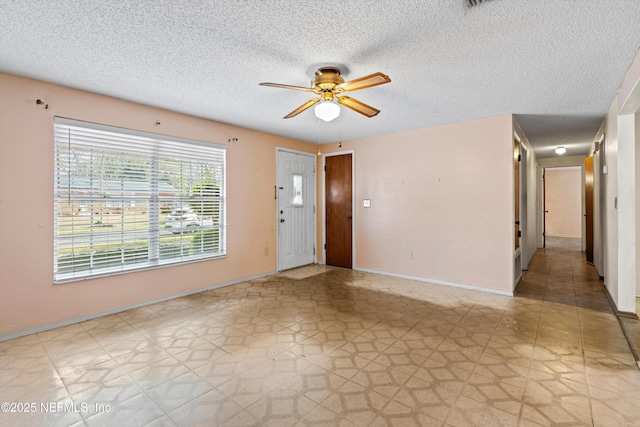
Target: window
[(128, 200), (296, 198)]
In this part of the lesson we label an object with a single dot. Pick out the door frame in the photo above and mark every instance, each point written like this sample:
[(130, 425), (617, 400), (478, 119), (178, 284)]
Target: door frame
[(315, 200), (589, 231), (353, 205), (541, 202), (525, 220)]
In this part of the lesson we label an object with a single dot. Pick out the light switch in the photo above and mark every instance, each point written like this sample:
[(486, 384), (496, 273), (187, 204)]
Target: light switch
[(366, 203)]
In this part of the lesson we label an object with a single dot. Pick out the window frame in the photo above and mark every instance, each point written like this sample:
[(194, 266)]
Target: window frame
[(154, 199)]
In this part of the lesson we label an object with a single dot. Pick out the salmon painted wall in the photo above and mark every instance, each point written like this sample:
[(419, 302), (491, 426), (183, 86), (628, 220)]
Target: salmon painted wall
[(28, 297), (563, 193), (444, 193)]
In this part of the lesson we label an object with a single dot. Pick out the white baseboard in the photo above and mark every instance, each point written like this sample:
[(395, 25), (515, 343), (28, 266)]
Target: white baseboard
[(71, 321), (438, 282)]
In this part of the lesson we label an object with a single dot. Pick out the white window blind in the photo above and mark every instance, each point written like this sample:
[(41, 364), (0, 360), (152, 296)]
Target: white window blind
[(128, 200)]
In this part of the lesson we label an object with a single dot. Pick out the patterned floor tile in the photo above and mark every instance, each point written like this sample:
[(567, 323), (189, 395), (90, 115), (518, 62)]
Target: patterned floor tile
[(78, 378), (141, 358), (109, 394), (219, 371), (164, 421), (560, 369), (127, 345), (397, 414), (323, 417), (435, 372), (158, 372), (428, 398), (178, 391), (25, 371), (340, 347), (511, 347), (356, 403), (455, 358), (401, 359), (380, 378), (102, 324), (283, 410), (494, 393), (139, 410), (43, 418), (317, 383), (165, 333), (614, 409), (555, 413), (468, 412), (367, 346), (315, 351), (510, 373), (210, 408), (199, 355)]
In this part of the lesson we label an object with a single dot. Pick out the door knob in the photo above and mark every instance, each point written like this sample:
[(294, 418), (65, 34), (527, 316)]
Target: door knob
[(349, 217), (281, 219)]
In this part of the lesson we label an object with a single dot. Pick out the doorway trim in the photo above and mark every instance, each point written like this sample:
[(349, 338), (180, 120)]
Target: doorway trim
[(549, 163), (315, 202), (576, 161), (353, 206)]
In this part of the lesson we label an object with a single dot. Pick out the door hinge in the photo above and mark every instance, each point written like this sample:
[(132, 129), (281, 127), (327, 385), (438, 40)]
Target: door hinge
[(519, 233), (314, 250), (314, 209), (325, 168), (325, 246)]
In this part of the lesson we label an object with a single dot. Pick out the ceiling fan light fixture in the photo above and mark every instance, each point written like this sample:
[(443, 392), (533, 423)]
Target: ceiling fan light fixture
[(330, 86), (561, 150), (327, 111)]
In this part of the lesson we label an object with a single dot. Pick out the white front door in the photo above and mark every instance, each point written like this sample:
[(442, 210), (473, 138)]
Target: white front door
[(296, 209)]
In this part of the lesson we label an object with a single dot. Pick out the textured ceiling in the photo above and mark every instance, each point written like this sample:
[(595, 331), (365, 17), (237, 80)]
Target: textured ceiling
[(557, 64)]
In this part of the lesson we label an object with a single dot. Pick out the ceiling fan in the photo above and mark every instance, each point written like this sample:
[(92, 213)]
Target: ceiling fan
[(331, 86)]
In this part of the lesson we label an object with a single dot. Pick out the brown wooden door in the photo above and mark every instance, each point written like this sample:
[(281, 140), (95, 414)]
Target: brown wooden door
[(588, 208), (338, 206), (516, 186)]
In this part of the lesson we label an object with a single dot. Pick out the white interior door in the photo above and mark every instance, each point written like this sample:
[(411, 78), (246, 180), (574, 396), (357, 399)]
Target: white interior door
[(296, 209)]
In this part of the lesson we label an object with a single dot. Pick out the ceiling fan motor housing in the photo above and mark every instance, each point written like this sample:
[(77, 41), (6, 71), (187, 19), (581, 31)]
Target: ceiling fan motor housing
[(327, 78)]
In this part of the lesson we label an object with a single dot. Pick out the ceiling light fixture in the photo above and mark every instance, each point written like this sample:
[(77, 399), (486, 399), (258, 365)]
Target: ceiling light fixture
[(561, 150), (327, 111)]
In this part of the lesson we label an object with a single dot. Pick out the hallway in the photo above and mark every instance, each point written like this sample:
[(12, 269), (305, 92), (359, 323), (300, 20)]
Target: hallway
[(560, 273)]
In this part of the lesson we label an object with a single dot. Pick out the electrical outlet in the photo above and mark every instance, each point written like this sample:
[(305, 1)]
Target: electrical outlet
[(266, 251), (412, 255), (366, 203)]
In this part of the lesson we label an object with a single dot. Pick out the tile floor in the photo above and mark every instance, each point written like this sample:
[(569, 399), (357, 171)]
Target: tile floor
[(323, 346), (633, 328), (560, 273)]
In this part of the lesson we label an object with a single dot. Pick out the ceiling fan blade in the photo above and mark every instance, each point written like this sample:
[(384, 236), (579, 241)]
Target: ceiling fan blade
[(358, 106), (306, 89), (374, 79), (301, 108)]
